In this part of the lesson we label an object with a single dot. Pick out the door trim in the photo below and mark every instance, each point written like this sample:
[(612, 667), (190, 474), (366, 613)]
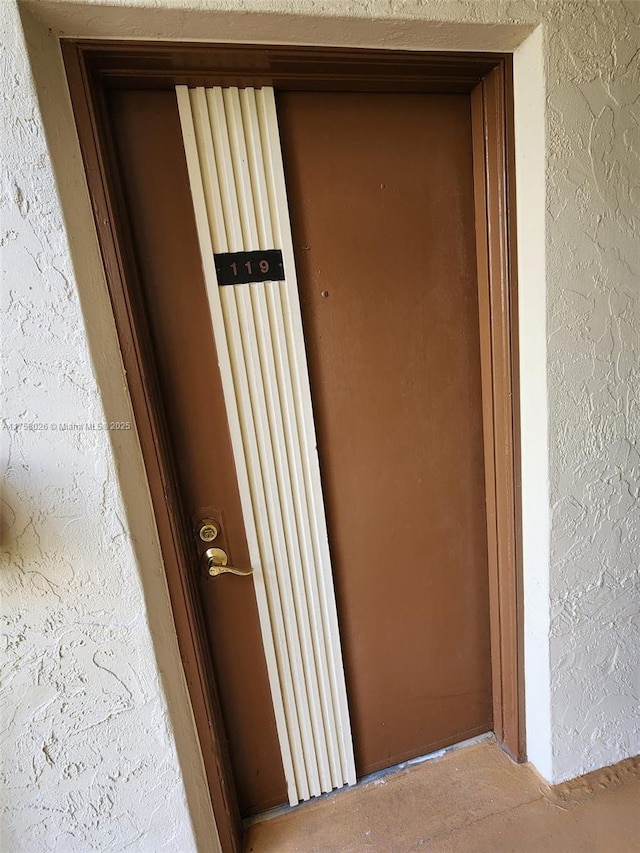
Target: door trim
[(94, 66), (492, 128)]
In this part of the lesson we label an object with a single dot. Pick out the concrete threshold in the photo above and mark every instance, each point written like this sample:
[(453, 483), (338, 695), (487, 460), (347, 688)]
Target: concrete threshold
[(367, 780), (470, 798)]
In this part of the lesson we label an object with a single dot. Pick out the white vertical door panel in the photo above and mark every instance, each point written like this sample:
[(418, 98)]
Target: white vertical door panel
[(237, 183)]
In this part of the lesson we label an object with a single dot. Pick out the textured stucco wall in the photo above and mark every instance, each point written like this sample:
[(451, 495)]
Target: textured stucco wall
[(97, 747), (88, 754), (593, 281)]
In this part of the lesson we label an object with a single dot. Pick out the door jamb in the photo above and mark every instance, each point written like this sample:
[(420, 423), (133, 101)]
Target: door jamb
[(93, 66), (493, 154)]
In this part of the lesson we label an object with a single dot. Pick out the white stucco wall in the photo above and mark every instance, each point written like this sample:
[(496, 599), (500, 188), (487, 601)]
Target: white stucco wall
[(593, 294), (90, 755), (98, 746)]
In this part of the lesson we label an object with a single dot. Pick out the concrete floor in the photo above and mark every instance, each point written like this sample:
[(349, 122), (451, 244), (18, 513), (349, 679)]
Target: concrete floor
[(473, 800)]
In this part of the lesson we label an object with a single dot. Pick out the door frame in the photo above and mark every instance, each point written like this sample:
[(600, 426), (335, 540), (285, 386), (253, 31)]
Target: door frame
[(94, 66)]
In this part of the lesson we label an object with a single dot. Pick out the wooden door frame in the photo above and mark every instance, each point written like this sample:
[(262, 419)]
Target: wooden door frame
[(92, 67)]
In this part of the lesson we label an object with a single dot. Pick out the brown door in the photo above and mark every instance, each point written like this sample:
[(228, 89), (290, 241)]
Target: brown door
[(381, 203), (381, 193)]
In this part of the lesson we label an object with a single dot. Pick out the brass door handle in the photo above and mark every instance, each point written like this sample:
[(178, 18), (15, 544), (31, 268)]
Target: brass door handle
[(215, 560)]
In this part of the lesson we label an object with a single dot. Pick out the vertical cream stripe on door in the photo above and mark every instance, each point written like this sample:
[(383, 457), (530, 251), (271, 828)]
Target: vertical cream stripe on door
[(237, 184)]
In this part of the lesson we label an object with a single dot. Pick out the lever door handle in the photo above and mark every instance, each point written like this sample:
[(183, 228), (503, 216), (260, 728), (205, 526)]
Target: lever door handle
[(215, 560)]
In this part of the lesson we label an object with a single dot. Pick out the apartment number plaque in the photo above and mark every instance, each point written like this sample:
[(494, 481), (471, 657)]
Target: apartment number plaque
[(249, 267)]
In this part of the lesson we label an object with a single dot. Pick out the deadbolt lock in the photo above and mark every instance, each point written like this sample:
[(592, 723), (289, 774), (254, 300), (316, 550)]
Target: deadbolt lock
[(208, 530)]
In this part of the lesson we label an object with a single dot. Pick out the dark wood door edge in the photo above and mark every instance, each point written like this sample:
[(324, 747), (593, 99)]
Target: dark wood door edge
[(495, 207), (91, 66)]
